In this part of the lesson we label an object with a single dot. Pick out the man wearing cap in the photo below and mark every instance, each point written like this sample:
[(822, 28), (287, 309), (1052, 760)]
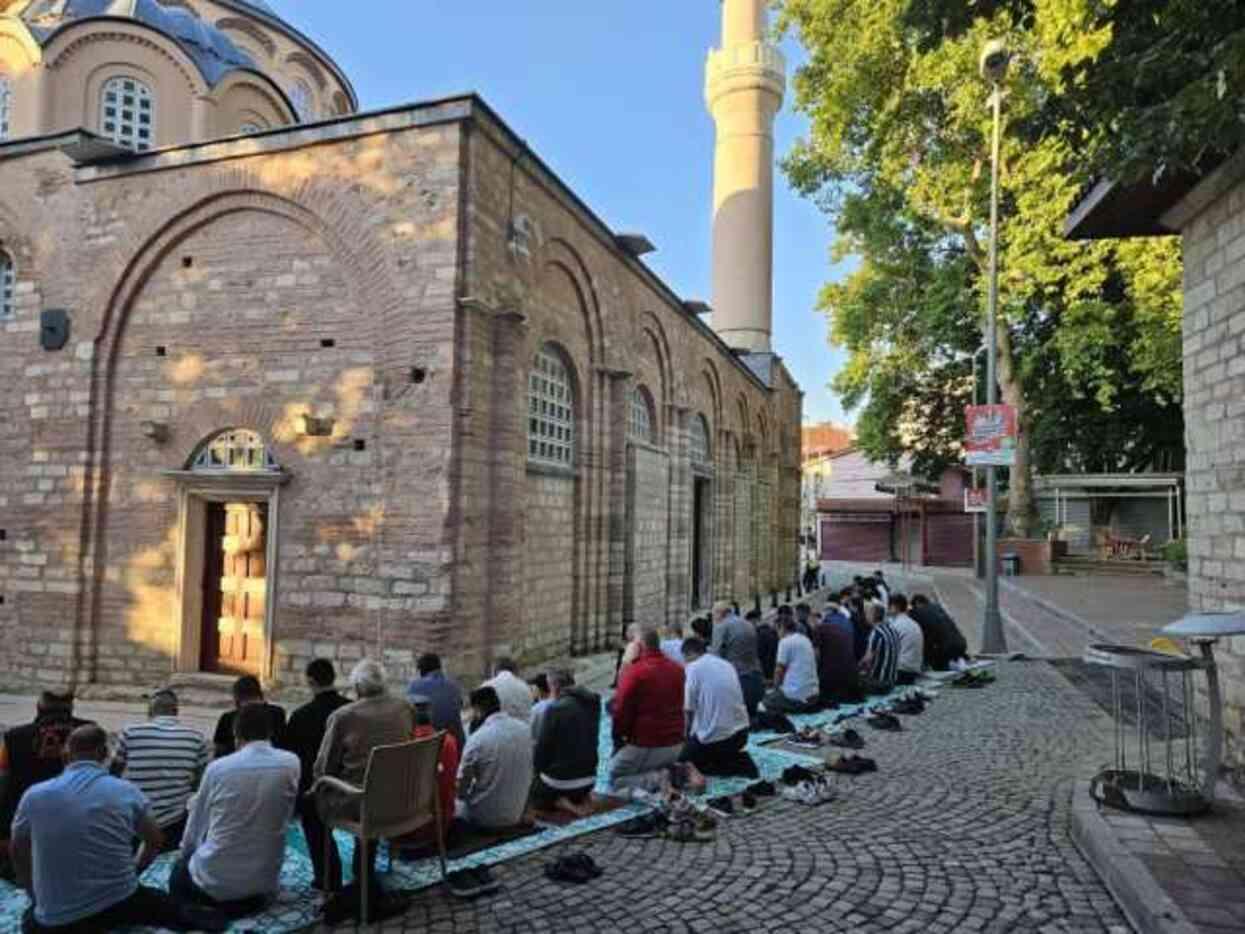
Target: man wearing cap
[(165, 759)]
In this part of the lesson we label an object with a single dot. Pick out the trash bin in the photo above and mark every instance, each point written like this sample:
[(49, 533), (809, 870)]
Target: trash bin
[(1011, 564)]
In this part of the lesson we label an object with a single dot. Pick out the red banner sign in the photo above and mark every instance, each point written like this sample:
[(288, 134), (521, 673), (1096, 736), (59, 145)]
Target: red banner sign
[(991, 438)]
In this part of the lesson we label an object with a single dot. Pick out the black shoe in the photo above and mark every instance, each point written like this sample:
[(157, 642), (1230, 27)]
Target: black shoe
[(723, 804), (885, 721), (795, 774), (642, 827), (762, 789)]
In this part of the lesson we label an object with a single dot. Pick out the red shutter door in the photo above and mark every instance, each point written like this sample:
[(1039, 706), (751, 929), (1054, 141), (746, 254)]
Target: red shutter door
[(852, 537), (950, 540)]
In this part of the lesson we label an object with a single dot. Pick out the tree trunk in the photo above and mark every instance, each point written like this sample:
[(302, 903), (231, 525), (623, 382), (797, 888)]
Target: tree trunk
[(1021, 509)]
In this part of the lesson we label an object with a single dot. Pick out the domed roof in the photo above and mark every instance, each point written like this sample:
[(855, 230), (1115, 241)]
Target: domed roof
[(212, 51)]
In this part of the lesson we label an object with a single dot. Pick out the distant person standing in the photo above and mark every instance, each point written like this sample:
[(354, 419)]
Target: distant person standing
[(165, 759)]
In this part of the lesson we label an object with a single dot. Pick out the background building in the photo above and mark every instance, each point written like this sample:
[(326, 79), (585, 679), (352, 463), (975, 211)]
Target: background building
[(375, 384)]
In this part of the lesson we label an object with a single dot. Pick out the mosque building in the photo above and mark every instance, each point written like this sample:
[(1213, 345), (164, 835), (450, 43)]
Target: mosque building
[(285, 379)]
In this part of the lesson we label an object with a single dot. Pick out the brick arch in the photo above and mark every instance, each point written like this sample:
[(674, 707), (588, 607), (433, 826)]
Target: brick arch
[(362, 266), (559, 254), (651, 324), (713, 381)]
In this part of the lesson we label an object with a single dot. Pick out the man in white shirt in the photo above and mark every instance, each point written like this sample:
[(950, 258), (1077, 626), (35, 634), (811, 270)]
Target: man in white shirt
[(495, 774), (234, 842), (911, 640), (717, 717), (512, 691), (796, 687)]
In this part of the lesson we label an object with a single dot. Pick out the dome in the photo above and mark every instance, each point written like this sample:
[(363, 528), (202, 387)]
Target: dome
[(211, 50)]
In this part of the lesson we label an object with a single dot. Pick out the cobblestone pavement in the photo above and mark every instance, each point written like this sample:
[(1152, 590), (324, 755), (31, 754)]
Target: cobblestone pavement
[(965, 828)]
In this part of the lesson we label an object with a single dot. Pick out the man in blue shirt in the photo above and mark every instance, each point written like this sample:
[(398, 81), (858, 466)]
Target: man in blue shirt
[(445, 696), (73, 849)]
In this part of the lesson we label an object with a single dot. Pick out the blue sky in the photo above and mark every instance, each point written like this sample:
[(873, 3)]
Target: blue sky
[(610, 95)]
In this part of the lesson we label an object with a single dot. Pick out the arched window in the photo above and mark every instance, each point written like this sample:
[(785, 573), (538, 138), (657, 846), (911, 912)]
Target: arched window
[(702, 453), (8, 286), (302, 99), (550, 410), (127, 113), (6, 105), (235, 450), (640, 423)]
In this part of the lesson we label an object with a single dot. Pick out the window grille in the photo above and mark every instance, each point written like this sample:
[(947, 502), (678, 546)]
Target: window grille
[(641, 424), (8, 286), (127, 114), (550, 411), (236, 450), (701, 452)]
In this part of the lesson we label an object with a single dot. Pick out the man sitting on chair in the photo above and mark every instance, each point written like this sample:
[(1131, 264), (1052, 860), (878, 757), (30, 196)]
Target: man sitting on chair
[(376, 719), (234, 843)]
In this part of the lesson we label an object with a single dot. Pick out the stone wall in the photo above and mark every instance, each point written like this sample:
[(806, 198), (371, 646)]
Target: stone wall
[(1214, 379), (648, 525), (367, 272)]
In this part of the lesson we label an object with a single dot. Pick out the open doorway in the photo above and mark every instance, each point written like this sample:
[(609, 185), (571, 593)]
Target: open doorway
[(234, 588), (700, 542)]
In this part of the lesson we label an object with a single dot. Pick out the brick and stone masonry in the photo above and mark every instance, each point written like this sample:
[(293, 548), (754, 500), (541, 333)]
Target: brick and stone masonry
[(394, 275)]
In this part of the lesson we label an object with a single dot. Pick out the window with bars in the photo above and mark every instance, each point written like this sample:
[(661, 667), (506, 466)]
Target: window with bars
[(550, 411), (235, 450), (127, 113), (640, 427), (701, 452), (6, 105), (8, 286)]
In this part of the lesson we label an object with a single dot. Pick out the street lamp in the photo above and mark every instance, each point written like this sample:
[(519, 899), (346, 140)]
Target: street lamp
[(994, 61)]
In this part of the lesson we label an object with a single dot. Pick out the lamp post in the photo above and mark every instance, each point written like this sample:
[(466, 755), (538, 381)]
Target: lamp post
[(994, 61)]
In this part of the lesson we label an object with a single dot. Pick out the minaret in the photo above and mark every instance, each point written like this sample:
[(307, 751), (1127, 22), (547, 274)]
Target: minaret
[(744, 85)]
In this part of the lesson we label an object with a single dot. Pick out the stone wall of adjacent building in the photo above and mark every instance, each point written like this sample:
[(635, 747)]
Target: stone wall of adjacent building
[(1214, 379)]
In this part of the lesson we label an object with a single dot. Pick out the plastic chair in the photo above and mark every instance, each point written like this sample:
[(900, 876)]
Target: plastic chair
[(399, 796)]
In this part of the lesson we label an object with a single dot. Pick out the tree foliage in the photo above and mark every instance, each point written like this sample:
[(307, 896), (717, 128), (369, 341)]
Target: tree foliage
[(1089, 336)]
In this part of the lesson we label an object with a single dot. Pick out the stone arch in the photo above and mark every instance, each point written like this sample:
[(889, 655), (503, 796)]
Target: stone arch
[(559, 253), (652, 325), (310, 66), (714, 383), (138, 256)]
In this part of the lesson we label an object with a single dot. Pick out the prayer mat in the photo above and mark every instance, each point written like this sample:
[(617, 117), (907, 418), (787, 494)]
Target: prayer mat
[(600, 804), (296, 908), (464, 843)]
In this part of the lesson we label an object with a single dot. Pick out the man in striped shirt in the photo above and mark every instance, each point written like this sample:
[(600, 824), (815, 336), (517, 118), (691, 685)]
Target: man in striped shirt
[(165, 760), (880, 666)]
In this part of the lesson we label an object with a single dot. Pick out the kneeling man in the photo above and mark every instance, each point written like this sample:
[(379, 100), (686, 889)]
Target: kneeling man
[(234, 842), (717, 716)]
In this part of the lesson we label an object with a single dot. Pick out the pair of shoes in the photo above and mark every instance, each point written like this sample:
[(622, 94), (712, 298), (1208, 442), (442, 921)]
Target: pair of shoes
[(723, 805), (810, 793), (795, 774), (852, 765), (885, 721), (848, 739), (577, 868), (761, 790), (471, 882), (808, 736), (908, 706), (645, 826), (747, 803), (688, 830)]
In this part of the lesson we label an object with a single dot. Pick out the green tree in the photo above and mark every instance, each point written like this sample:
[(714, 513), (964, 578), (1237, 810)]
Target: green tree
[(899, 154)]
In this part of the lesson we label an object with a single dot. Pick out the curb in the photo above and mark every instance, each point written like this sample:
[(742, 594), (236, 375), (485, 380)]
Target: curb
[(1150, 909)]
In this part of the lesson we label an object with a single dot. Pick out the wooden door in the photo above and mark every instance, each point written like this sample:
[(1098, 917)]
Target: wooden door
[(242, 584)]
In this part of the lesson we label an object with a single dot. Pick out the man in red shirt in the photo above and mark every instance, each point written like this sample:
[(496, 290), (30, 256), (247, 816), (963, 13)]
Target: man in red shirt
[(648, 718), (447, 766)]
